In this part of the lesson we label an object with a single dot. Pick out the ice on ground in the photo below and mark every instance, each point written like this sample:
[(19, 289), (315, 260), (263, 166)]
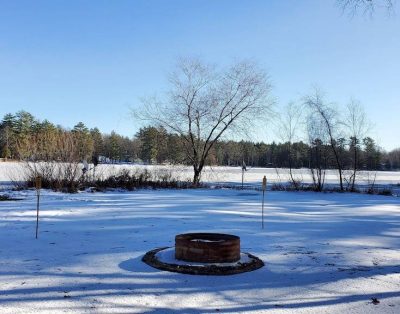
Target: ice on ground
[(324, 253)]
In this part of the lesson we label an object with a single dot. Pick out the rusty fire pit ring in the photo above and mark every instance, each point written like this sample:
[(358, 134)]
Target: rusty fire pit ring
[(207, 247), (252, 262)]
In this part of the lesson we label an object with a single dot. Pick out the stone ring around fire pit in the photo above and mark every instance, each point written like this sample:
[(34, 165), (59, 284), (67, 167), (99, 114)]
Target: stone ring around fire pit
[(203, 254)]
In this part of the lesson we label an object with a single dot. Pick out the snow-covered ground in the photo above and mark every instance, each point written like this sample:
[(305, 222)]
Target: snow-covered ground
[(12, 171), (324, 252)]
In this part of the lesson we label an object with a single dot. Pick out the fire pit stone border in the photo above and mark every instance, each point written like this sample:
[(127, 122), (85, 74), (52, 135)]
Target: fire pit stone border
[(150, 258)]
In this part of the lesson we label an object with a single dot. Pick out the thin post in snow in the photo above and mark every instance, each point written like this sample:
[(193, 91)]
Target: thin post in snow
[(244, 168), (264, 187), (38, 185)]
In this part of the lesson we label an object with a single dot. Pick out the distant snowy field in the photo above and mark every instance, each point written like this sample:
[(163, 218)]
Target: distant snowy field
[(12, 171), (324, 252)]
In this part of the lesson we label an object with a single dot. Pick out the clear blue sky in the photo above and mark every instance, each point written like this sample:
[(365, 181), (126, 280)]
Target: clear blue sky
[(90, 61)]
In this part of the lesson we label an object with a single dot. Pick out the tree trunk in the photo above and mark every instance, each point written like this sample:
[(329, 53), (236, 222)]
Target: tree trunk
[(341, 179), (353, 183), (339, 164), (197, 175), (294, 182)]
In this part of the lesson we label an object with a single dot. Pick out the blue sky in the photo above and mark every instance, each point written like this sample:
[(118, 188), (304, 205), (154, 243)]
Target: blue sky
[(90, 61)]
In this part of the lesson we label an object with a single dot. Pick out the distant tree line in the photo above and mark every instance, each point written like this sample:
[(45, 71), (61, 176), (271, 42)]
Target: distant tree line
[(23, 137)]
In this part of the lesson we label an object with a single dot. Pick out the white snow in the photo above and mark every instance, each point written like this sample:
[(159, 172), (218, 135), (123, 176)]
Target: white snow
[(206, 241), (324, 252)]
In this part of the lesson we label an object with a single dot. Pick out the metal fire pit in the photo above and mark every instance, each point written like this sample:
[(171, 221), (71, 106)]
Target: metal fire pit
[(207, 247), (203, 254)]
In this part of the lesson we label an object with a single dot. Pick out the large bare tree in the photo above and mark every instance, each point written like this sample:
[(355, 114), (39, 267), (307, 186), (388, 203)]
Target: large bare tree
[(204, 103), (330, 126)]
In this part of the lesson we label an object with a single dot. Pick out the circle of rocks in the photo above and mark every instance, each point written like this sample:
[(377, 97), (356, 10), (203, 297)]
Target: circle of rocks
[(150, 258)]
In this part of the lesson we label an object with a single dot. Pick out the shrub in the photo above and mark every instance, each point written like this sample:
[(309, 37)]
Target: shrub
[(386, 192), (68, 177), (278, 187), (6, 197), (65, 177)]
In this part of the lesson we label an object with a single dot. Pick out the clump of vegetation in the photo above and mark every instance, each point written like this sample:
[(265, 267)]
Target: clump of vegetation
[(371, 189), (386, 192), (278, 187), (294, 185), (125, 179), (70, 179), (6, 197)]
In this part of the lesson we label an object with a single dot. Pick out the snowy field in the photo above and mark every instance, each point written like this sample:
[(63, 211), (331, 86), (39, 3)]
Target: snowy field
[(324, 253), (12, 171)]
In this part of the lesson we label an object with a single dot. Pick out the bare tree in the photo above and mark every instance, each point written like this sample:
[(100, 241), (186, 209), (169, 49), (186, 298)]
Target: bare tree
[(366, 6), (357, 126), (330, 126), (318, 154), (204, 103), (288, 125)]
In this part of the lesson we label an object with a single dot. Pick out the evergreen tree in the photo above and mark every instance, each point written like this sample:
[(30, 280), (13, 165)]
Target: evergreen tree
[(98, 144), (372, 154), (7, 136), (24, 128), (114, 146), (83, 141)]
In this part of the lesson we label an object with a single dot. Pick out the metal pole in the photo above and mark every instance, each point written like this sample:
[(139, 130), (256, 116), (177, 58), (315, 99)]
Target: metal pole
[(38, 187), (242, 176), (37, 215), (264, 187), (263, 210)]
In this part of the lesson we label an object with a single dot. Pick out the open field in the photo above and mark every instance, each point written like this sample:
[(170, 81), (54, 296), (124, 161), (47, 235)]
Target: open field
[(324, 253), (222, 175)]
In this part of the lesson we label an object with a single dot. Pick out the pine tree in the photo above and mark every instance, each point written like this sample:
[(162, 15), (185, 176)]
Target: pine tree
[(98, 145), (8, 138), (83, 141)]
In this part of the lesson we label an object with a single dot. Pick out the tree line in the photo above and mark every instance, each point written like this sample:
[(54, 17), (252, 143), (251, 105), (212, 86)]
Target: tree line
[(24, 137)]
